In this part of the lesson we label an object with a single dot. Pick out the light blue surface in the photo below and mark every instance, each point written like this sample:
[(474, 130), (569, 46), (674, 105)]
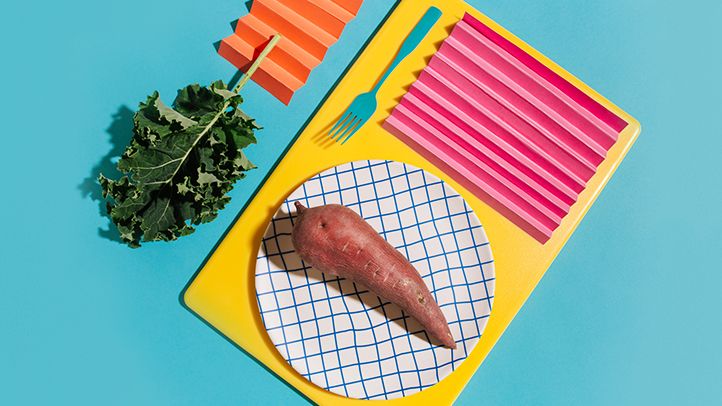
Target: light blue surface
[(629, 313)]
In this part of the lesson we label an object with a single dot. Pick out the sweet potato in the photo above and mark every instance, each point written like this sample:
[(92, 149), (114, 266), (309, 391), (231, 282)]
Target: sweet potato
[(337, 241)]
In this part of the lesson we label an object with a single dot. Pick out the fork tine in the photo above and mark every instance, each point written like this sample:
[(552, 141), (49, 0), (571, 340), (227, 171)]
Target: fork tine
[(355, 130), (340, 121), (343, 126), (350, 127), (338, 135)]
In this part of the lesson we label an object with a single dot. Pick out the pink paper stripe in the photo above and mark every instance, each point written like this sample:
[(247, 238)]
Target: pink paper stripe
[(407, 122), (462, 108), (481, 157), (525, 82), (493, 83), (481, 137), (565, 158), (611, 119), (400, 126)]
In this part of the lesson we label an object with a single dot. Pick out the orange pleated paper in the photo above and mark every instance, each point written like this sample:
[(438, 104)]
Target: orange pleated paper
[(308, 27)]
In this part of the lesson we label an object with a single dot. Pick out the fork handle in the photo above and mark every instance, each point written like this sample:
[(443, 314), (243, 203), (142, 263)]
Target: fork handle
[(412, 41)]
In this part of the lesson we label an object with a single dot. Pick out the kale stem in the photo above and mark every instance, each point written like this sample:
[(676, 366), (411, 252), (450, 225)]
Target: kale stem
[(227, 104), (257, 63)]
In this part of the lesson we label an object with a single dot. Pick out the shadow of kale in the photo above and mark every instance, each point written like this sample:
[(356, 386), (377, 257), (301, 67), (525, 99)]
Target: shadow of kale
[(120, 133)]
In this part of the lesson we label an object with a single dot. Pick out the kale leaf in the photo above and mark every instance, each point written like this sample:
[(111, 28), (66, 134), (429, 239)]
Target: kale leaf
[(180, 164)]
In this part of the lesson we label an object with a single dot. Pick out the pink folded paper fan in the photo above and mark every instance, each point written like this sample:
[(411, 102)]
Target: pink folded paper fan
[(506, 127), (308, 28)]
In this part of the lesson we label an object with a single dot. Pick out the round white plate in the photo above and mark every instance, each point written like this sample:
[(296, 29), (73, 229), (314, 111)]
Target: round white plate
[(342, 337)]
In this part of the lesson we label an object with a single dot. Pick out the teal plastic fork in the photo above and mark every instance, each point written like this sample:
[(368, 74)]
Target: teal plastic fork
[(364, 106)]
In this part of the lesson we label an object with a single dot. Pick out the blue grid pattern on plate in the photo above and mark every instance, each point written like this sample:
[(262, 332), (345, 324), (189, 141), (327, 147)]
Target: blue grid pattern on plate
[(346, 339)]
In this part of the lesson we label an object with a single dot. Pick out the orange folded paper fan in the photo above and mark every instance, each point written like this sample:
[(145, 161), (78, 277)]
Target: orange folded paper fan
[(308, 28)]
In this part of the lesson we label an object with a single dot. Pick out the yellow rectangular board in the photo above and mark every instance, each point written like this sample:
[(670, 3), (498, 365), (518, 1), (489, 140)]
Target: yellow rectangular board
[(223, 291)]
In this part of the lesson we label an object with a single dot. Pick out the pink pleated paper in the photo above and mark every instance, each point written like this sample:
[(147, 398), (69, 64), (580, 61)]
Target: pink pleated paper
[(506, 127)]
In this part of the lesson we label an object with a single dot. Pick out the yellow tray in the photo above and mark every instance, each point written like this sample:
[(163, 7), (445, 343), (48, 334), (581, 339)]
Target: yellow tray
[(223, 292)]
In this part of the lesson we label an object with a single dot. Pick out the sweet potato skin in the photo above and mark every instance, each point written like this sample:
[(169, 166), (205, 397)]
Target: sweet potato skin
[(337, 241)]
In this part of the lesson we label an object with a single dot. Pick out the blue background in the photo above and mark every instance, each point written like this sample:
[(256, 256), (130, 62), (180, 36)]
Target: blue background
[(629, 312)]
